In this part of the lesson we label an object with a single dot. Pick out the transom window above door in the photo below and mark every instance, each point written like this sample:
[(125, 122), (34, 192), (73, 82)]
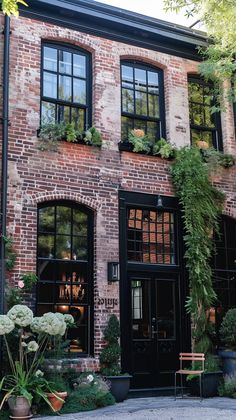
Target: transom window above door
[(142, 100), (150, 236), (65, 90)]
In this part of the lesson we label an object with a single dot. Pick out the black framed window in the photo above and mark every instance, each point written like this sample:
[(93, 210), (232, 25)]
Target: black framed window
[(64, 262), (204, 125), (65, 86), (151, 236), (142, 100)]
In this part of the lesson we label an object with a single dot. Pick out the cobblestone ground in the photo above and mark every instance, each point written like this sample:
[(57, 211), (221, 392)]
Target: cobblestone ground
[(160, 408)]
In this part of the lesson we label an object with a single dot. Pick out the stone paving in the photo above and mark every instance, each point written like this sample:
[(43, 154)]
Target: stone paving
[(160, 408)]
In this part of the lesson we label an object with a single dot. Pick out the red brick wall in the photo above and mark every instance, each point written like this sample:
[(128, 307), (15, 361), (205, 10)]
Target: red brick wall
[(85, 174)]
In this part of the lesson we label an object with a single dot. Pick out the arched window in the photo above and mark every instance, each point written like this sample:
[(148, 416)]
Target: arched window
[(65, 244), (142, 99), (65, 85)]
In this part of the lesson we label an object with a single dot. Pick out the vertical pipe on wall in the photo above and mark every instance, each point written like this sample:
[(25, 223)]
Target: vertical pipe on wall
[(5, 121)]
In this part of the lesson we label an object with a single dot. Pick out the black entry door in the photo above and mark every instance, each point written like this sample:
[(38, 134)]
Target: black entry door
[(154, 329)]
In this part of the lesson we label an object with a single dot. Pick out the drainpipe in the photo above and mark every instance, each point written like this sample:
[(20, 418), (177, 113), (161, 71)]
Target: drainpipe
[(5, 122)]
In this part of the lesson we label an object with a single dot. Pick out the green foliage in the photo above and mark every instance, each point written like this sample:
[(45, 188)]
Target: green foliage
[(10, 7), (141, 143), (50, 134), (110, 355), (228, 329), (219, 18), (213, 157), (164, 149), (93, 136), (14, 297), (10, 253), (228, 387), (211, 365), (201, 205), (29, 280)]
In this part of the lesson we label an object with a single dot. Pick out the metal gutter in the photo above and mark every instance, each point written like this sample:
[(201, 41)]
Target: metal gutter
[(121, 25), (5, 122)]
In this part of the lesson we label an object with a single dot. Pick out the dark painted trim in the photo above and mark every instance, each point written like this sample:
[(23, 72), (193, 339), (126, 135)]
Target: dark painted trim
[(117, 24)]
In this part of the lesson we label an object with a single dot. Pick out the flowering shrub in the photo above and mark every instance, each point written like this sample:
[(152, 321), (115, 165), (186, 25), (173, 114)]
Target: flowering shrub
[(26, 379)]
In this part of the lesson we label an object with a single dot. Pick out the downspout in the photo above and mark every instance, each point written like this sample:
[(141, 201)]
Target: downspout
[(5, 122)]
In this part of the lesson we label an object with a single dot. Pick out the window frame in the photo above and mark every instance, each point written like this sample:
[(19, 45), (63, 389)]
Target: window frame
[(133, 116), (88, 81), (88, 263), (217, 140)]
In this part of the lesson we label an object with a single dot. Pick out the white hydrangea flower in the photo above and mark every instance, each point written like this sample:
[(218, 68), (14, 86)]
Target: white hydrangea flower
[(23, 344), (21, 315), (90, 378), (32, 346), (52, 325), (69, 320), (6, 325), (59, 316), (36, 324)]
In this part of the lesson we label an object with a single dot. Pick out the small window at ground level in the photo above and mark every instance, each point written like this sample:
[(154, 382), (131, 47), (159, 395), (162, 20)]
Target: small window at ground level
[(64, 268), (65, 86), (142, 100), (204, 125)]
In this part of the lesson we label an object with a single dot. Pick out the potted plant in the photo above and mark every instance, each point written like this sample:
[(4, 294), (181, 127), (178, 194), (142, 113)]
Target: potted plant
[(25, 380), (59, 394), (210, 379), (110, 361), (228, 337)]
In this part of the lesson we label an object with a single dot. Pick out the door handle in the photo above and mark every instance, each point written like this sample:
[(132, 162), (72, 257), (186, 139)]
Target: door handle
[(153, 331)]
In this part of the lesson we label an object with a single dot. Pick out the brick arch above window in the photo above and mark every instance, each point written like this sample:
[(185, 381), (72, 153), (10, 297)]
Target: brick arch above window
[(78, 198), (142, 93)]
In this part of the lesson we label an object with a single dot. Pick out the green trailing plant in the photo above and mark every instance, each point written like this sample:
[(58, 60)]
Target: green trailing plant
[(215, 158), (211, 365), (201, 205), (228, 329), (10, 253), (110, 354)]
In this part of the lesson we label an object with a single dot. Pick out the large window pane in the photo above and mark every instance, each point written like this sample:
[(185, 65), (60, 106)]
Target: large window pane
[(140, 79), (50, 85), (65, 88), (64, 215), (126, 127), (79, 91), (153, 105), (128, 100), (63, 113), (47, 219), (127, 76), (50, 59), (46, 246), (65, 62), (78, 118), (153, 82), (48, 113), (141, 103), (79, 65)]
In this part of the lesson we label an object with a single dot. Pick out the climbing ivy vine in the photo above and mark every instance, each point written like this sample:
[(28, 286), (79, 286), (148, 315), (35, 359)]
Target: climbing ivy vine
[(202, 204)]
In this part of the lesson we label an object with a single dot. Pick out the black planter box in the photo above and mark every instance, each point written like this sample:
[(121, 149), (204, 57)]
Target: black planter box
[(210, 383)]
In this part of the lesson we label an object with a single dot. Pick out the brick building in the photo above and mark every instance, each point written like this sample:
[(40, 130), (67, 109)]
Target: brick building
[(74, 210)]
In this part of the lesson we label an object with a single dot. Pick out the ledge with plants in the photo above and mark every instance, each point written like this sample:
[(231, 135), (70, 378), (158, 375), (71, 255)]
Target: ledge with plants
[(139, 142), (50, 134)]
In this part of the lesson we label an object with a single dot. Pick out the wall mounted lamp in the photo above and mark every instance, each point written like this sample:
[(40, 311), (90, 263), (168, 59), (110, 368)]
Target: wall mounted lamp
[(159, 204)]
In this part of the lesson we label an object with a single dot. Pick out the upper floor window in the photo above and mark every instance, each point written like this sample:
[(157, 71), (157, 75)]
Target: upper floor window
[(142, 100), (204, 125), (65, 93)]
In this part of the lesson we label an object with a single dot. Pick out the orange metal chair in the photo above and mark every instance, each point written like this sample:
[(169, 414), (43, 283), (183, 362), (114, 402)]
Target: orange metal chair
[(190, 357)]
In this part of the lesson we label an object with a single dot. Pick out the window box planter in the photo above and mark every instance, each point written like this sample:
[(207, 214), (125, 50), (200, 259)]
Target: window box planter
[(126, 146)]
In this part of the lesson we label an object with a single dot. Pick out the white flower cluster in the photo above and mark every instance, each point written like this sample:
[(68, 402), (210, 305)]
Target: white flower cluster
[(32, 346), (6, 325), (69, 320), (49, 323), (21, 315)]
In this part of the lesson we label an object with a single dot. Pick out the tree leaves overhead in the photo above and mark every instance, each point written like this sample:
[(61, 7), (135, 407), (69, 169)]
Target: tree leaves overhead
[(219, 18), (10, 7)]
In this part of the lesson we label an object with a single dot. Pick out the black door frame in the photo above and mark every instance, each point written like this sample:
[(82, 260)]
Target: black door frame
[(142, 200)]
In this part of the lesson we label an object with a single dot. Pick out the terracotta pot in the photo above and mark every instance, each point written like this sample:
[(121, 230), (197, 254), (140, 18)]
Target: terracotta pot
[(55, 402), (19, 406)]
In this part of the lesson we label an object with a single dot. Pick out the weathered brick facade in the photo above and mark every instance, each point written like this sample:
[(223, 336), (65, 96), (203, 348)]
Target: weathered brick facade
[(88, 175)]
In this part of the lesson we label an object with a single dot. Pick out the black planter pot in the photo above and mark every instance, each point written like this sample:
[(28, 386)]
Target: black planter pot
[(210, 383), (228, 361), (119, 386)]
